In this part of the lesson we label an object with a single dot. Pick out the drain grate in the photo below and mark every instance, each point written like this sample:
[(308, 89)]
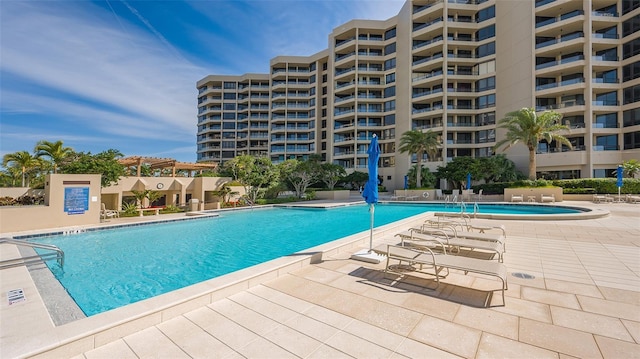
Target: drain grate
[(523, 275)]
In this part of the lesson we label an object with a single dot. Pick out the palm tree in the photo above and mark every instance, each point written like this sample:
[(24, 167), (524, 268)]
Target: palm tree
[(530, 128), (54, 150), (418, 142), (21, 159), (629, 168)]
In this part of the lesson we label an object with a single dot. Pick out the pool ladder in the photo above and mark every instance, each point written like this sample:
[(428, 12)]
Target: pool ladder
[(55, 253)]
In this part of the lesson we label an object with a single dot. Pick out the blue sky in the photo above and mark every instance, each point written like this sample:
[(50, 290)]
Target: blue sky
[(122, 74)]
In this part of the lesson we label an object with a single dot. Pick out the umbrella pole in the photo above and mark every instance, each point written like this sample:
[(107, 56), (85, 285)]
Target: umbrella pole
[(371, 210)]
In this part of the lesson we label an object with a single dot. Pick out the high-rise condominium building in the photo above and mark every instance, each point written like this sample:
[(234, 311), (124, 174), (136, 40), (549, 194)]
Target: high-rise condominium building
[(451, 66)]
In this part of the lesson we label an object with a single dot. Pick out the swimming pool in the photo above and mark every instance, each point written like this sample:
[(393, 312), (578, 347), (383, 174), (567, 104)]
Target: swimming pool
[(110, 268)]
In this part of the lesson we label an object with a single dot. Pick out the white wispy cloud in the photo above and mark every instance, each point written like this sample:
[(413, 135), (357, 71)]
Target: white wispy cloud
[(79, 53)]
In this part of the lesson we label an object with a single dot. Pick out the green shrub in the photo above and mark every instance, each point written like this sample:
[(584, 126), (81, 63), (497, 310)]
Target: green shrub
[(599, 185), (170, 209), (130, 208)]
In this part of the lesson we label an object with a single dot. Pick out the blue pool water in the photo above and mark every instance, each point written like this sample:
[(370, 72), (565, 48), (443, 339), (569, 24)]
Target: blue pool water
[(107, 269)]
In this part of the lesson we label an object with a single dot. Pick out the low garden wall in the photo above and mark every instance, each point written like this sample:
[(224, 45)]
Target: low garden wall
[(333, 195), (533, 193)]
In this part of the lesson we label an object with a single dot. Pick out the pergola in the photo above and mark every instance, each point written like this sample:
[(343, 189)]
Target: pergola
[(162, 163)]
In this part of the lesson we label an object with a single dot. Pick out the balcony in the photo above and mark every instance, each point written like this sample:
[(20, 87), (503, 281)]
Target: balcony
[(425, 93), (559, 62), (560, 105), (605, 103), (559, 18), (596, 35), (605, 80), (428, 42), (426, 59), (560, 84), (565, 38), (604, 14), (426, 76), (426, 24), (425, 7), (543, 2)]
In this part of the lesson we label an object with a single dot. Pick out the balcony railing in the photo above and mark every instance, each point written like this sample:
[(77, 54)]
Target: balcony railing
[(569, 37), (425, 93), (426, 76), (605, 80), (560, 84), (428, 42), (424, 7), (426, 24), (560, 62), (604, 13), (423, 60), (605, 103), (560, 18), (543, 2), (597, 35), (604, 58)]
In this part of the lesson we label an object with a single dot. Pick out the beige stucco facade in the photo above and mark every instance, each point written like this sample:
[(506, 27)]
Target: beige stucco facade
[(70, 200), (175, 191), (75, 200), (453, 67)]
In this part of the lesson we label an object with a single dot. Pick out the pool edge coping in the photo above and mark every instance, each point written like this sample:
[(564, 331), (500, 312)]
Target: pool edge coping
[(91, 332)]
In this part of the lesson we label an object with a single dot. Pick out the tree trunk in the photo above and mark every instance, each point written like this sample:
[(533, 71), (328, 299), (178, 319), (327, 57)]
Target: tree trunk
[(419, 170), (23, 175), (532, 164)]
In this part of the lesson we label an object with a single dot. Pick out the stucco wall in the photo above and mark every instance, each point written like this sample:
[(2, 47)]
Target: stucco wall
[(52, 214), (536, 193), (333, 195)]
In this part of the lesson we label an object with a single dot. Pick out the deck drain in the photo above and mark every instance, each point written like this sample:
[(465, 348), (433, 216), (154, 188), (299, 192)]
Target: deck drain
[(523, 275)]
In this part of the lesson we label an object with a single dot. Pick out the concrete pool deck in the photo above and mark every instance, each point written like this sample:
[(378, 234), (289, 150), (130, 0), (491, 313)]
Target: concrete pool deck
[(584, 301)]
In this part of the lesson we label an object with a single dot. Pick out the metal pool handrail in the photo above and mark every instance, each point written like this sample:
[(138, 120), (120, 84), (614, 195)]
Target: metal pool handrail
[(57, 254)]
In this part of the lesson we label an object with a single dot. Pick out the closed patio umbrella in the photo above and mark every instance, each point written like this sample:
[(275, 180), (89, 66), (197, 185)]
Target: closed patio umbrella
[(370, 195), (619, 174)]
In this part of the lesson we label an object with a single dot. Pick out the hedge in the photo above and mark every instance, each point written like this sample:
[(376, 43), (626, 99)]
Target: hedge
[(573, 186)]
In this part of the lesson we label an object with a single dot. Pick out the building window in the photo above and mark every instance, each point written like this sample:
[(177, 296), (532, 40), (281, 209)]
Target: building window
[(607, 99), (390, 34), (629, 5), (389, 106), (486, 101), (485, 33), (389, 120), (390, 64), (229, 116), (631, 94), (609, 120), (631, 117), (486, 84), (390, 78), (631, 26), (389, 91), (631, 48), (229, 85), (631, 71), (606, 143), (631, 140), (604, 173), (486, 49), (485, 68), (390, 49), (486, 14), (229, 96)]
